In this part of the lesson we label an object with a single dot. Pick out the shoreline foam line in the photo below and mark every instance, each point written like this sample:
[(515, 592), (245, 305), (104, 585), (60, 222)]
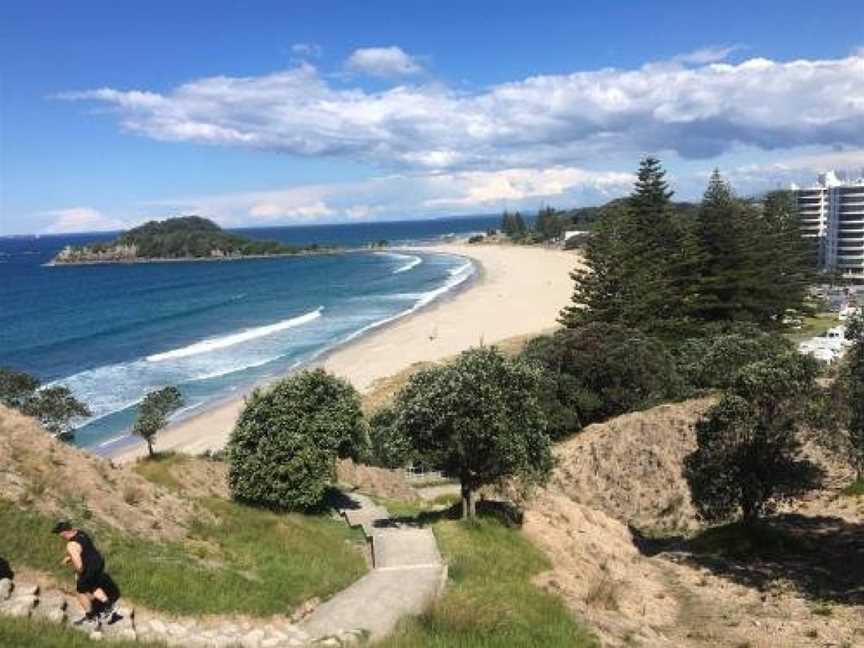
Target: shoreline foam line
[(212, 344)]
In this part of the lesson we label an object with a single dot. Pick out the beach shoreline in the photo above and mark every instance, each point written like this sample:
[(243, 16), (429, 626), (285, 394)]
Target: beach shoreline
[(515, 290)]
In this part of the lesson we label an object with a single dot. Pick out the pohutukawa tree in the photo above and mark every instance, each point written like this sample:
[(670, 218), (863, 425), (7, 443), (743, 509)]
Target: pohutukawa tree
[(283, 450), (749, 457), (853, 379), (54, 407), (153, 414), (478, 419)]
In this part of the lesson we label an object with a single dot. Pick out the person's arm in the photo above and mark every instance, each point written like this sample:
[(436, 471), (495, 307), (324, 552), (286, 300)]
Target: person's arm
[(74, 551)]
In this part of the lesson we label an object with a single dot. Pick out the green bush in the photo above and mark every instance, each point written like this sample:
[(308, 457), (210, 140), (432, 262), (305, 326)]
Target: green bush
[(388, 447), (712, 362), (283, 449), (477, 419), (598, 371), (749, 454)]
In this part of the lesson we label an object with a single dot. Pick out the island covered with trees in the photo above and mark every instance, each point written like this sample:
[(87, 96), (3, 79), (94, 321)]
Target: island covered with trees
[(182, 238)]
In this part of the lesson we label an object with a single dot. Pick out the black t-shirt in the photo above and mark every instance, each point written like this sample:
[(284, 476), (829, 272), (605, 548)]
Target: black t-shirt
[(91, 559)]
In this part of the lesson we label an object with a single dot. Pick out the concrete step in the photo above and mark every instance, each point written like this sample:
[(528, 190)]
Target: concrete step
[(405, 547)]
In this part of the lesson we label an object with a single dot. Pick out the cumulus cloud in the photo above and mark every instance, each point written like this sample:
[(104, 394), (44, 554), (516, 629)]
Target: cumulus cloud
[(383, 62), (696, 111), (408, 196), (80, 219)]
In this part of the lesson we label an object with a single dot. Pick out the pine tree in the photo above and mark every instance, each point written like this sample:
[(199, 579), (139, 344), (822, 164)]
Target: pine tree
[(784, 256), (725, 263), (638, 264)]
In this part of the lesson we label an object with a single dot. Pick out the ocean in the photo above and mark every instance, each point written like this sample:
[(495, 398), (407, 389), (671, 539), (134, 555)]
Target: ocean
[(111, 333)]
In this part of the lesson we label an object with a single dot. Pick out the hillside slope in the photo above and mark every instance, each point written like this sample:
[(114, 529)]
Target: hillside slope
[(625, 474), (40, 473)]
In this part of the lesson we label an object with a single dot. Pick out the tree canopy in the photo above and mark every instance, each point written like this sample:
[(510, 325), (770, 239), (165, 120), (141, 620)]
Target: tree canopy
[(153, 413), (674, 271), (478, 419), (597, 371), (748, 457), (282, 452), (55, 407)]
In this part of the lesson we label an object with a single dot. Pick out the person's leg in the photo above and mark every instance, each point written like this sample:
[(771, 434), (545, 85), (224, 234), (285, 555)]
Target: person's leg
[(100, 595), (85, 602)]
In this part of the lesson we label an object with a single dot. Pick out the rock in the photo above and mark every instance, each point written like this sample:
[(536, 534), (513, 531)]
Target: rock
[(5, 588), (252, 639), (272, 642), (128, 634), (305, 609), (52, 600), (157, 627), (126, 612), (26, 589), (95, 636)]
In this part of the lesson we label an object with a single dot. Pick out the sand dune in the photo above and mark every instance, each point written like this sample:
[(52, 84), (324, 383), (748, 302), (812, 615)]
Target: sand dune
[(518, 290)]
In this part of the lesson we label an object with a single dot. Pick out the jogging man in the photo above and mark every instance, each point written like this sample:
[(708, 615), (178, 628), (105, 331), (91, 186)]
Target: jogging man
[(89, 569)]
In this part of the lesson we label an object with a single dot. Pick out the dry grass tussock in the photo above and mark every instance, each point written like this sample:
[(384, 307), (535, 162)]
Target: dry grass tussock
[(51, 477), (630, 467), (625, 474)]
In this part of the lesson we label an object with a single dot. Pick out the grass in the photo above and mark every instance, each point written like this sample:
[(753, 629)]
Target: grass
[(157, 469), (15, 633), (490, 600), (249, 561), (813, 326), (855, 489)]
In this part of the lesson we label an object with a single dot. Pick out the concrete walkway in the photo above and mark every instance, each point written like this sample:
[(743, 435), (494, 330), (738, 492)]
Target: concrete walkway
[(406, 576)]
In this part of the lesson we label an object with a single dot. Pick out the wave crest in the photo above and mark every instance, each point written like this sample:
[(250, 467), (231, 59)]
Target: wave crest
[(206, 346)]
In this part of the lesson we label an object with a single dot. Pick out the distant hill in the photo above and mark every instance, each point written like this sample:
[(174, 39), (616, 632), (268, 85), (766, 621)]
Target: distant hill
[(182, 238)]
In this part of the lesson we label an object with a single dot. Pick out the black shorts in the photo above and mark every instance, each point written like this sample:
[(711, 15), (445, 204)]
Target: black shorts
[(90, 579)]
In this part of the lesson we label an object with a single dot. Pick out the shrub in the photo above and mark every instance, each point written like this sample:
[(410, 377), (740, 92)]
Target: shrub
[(477, 238), (282, 452), (600, 370), (388, 447), (748, 457), (712, 362), (478, 419), (54, 407)]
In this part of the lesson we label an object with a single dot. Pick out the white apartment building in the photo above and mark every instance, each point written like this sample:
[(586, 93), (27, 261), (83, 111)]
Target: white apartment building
[(832, 215)]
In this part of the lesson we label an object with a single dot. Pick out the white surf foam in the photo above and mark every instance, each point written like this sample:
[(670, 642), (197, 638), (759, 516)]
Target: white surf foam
[(458, 276), (206, 346), (413, 262)]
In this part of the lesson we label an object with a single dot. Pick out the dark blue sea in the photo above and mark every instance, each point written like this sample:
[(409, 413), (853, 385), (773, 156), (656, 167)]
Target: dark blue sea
[(111, 333)]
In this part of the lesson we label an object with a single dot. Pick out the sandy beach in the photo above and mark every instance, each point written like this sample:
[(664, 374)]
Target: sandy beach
[(518, 290)]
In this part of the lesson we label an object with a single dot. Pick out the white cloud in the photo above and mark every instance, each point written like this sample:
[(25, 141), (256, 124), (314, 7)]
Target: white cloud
[(710, 54), (275, 210), (694, 111), (306, 50), (383, 62), (407, 196), (80, 219)]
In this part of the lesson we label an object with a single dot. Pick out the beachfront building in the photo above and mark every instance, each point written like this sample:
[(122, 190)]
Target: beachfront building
[(832, 218)]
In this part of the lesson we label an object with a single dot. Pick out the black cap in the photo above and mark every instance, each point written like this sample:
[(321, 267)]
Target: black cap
[(61, 526)]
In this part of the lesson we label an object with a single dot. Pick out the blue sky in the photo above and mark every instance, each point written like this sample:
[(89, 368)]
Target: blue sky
[(259, 113)]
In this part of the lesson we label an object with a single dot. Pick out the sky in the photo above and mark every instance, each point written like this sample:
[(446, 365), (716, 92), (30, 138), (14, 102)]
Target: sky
[(272, 113)]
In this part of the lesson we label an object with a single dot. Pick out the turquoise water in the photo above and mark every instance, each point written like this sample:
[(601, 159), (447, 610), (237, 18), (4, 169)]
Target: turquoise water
[(112, 333)]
